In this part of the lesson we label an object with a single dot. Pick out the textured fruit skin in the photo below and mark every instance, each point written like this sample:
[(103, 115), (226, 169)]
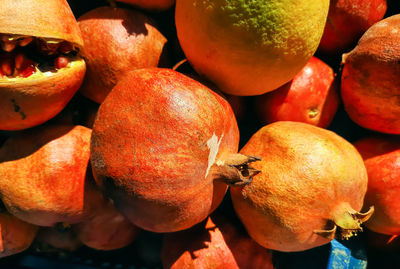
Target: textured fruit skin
[(15, 235), (371, 78), (154, 5), (253, 47), (104, 228), (28, 102), (40, 18), (116, 41), (311, 97), (150, 148), (382, 159), (54, 159), (214, 243), (308, 175), (347, 21)]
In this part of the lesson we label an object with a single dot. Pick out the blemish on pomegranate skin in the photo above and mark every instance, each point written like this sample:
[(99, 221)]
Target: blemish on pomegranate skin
[(17, 109), (213, 145)]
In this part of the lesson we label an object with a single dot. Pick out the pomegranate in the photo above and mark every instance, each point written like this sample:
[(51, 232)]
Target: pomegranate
[(347, 21), (61, 236), (371, 78), (164, 148), (104, 228), (153, 5), (214, 243), (15, 234), (117, 41), (311, 97), (42, 174), (382, 159), (310, 189), (40, 66)]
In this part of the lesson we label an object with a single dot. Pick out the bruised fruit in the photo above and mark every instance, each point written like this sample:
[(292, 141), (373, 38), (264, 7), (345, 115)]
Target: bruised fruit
[(311, 97), (347, 21), (214, 243), (164, 148), (117, 41), (382, 159), (34, 34), (154, 5), (249, 47), (61, 236), (42, 174), (104, 228), (371, 78), (310, 189), (15, 234)]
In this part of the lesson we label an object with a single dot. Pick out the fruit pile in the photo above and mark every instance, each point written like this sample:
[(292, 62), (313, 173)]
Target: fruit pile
[(223, 134)]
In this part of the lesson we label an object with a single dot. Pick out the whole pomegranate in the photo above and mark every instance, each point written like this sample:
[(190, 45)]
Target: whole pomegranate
[(117, 40), (164, 148), (310, 189), (310, 97), (214, 243), (104, 227), (371, 78), (40, 66), (42, 174), (347, 21), (15, 234), (381, 156)]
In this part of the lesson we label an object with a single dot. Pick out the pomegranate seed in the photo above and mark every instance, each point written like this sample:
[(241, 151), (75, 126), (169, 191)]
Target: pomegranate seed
[(25, 41), (61, 62), (19, 60), (6, 68), (1, 73), (28, 71), (8, 46)]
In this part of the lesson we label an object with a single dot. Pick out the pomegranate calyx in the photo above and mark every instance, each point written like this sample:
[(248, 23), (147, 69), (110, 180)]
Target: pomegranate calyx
[(328, 234), (347, 224), (234, 169)]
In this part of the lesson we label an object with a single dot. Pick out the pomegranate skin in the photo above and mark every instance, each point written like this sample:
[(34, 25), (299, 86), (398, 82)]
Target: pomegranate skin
[(26, 103), (153, 5), (104, 228), (311, 97), (116, 41), (371, 78), (40, 18), (15, 235), (381, 156), (215, 243), (156, 140), (54, 159), (311, 182), (347, 21)]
